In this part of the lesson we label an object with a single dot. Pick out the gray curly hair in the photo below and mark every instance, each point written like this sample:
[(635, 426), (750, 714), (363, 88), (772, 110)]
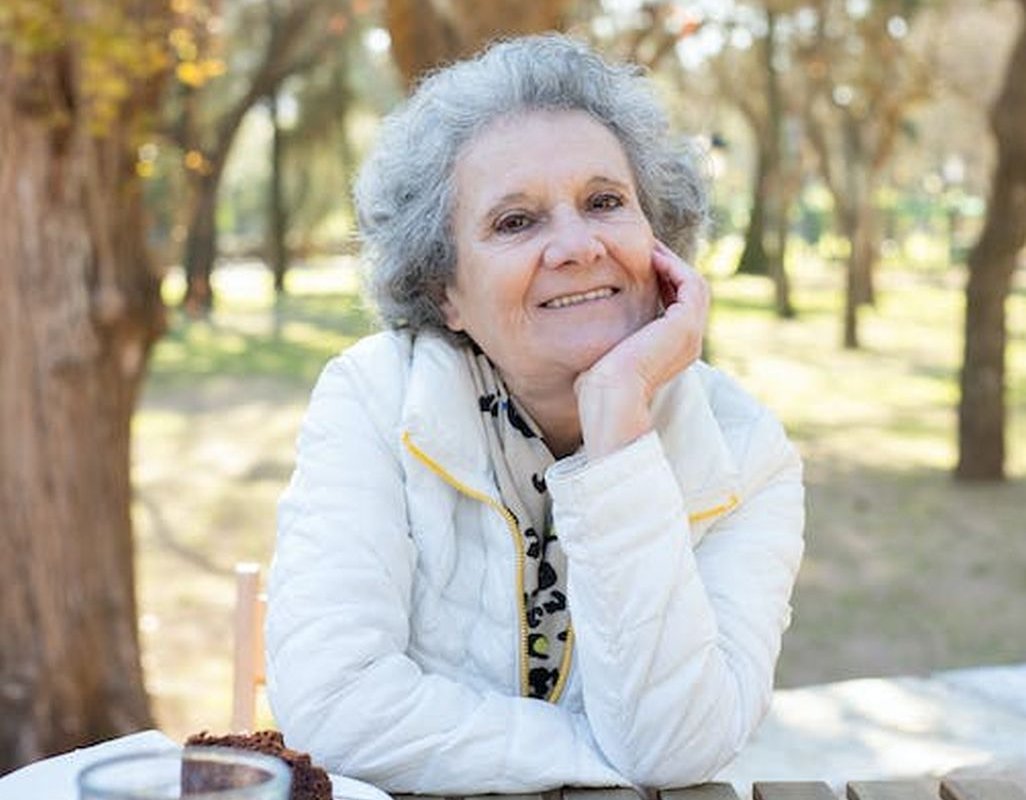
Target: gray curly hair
[(405, 194)]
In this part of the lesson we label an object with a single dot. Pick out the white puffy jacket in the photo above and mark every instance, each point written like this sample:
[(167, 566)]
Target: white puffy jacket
[(395, 621)]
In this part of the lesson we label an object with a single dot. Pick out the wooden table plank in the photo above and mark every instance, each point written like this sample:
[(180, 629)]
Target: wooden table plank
[(923, 789), (792, 790), (533, 796), (600, 793), (980, 789), (893, 790), (705, 791), (553, 795)]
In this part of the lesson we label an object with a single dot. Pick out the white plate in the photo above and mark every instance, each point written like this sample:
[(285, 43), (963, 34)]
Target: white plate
[(54, 778), (351, 789)]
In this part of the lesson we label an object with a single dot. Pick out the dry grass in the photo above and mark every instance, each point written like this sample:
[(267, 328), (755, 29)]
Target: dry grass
[(905, 571)]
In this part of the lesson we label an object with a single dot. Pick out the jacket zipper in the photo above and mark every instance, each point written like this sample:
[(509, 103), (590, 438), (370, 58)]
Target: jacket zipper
[(518, 547)]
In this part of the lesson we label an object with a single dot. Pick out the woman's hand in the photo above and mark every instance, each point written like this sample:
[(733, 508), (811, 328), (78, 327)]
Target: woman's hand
[(615, 394)]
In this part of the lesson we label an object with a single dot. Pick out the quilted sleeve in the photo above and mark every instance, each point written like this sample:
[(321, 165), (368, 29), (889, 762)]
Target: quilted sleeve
[(339, 681), (676, 645)]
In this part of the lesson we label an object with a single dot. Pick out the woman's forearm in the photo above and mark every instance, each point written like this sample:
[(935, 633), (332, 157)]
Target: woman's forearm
[(676, 658)]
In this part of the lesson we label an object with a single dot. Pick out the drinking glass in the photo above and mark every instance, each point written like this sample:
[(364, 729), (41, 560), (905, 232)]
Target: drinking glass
[(193, 773)]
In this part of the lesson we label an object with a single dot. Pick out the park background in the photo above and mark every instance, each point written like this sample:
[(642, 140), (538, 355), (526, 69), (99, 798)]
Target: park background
[(178, 260)]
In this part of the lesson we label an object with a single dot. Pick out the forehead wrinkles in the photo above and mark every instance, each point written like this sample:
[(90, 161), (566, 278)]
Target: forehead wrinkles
[(521, 154)]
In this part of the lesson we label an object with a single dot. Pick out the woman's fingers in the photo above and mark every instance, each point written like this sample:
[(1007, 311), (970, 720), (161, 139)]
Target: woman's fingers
[(615, 393), (681, 284), (683, 324), (663, 262), (670, 343)]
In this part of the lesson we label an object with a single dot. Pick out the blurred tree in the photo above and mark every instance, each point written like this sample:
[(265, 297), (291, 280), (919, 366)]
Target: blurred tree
[(277, 213), (220, 78), (981, 412), (80, 84), (753, 80), (649, 36), (277, 210), (952, 140), (428, 33), (862, 81), (312, 155)]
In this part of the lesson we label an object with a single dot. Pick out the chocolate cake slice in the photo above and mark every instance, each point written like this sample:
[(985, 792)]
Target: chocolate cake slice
[(309, 782)]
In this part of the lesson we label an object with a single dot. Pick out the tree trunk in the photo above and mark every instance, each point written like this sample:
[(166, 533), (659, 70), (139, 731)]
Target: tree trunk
[(277, 221), (80, 308), (775, 239), (201, 245), (753, 256), (858, 218), (859, 225), (776, 210), (864, 251), (288, 51), (981, 410), (850, 317), (777, 234)]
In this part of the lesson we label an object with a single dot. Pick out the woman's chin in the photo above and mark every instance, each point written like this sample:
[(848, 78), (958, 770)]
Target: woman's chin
[(581, 352)]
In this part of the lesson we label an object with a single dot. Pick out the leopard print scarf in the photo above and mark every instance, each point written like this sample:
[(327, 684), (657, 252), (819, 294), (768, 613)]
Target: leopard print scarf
[(519, 458)]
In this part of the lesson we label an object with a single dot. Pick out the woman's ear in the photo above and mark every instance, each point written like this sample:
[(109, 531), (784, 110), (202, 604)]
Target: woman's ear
[(450, 308)]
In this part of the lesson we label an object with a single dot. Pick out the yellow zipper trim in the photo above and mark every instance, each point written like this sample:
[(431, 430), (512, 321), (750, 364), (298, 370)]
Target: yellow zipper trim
[(564, 667), (715, 511), (437, 468)]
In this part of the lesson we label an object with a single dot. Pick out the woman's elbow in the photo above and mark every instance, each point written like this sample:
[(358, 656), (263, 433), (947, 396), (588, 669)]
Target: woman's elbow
[(308, 713), (698, 762), (704, 740)]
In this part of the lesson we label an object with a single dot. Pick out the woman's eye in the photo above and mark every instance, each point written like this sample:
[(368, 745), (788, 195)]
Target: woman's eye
[(607, 201), (512, 223)]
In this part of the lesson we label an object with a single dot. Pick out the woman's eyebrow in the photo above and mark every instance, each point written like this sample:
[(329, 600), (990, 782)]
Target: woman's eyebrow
[(520, 197), (503, 202), (615, 182)]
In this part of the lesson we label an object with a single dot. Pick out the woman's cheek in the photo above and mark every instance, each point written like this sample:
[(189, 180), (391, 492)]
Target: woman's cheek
[(632, 246)]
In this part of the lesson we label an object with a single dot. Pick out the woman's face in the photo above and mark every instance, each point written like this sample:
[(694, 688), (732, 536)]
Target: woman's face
[(553, 252)]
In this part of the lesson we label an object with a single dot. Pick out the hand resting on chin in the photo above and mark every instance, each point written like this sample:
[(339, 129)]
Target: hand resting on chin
[(615, 393)]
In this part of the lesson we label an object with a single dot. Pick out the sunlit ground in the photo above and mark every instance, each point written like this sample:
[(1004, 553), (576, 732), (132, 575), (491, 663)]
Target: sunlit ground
[(905, 570)]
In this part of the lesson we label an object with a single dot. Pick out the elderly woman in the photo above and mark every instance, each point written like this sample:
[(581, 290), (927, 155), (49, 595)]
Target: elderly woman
[(531, 540)]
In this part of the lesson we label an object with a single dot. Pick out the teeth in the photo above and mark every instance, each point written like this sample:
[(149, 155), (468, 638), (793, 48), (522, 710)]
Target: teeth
[(583, 297)]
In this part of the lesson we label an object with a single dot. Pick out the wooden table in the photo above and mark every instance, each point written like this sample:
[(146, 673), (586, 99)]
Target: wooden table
[(947, 789)]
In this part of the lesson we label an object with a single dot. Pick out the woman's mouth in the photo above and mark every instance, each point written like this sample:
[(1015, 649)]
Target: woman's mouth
[(580, 297)]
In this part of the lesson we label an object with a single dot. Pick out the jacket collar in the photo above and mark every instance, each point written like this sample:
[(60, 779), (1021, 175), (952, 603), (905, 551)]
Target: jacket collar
[(441, 416), (442, 419)]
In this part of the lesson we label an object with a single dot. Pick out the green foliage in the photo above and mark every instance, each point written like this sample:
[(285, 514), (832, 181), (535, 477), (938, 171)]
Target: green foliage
[(115, 47), (30, 27)]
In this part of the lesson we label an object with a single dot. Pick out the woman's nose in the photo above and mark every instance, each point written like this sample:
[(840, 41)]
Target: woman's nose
[(572, 241)]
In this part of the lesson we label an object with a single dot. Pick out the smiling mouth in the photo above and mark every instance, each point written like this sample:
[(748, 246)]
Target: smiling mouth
[(582, 297)]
